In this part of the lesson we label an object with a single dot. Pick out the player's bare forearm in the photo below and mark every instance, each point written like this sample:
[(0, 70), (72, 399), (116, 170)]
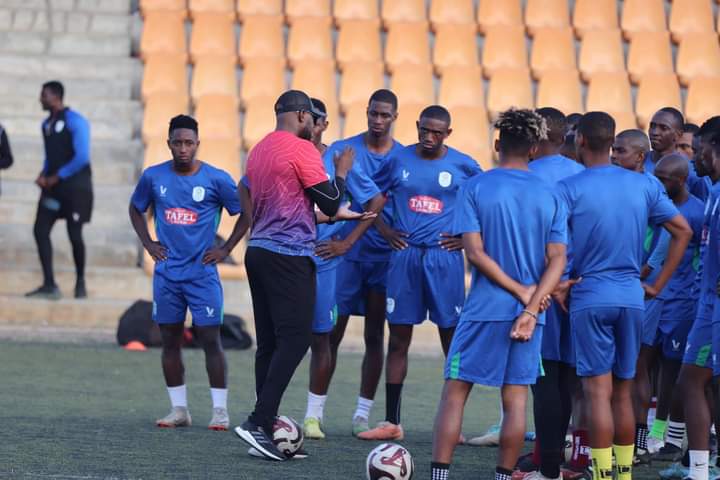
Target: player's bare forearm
[(139, 223), (239, 230), (681, 234), (245, 203), (475, 252), (375, 205), (556, 261)]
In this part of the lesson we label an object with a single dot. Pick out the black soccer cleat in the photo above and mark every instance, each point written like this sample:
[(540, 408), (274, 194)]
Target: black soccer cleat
[(255, 436), (668, 453)]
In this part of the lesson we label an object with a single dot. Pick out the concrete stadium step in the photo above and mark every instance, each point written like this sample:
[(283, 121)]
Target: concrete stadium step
[(84, 44), (108, 68), (102, 129), (58, 21), (94, 88), (106, 6), (110, 109)]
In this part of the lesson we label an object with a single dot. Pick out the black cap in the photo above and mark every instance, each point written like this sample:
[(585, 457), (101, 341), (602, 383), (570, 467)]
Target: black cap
[(296, 101)]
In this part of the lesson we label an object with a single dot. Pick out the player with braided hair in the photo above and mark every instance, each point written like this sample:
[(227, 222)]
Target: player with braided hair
[(501, 215)]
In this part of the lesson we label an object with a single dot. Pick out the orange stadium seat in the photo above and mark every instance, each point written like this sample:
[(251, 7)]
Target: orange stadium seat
[(553, 49), (455, 45), (246, 8), (263, 78), (358, 82), (219, 117), (601, 51), (492, 13), (560, 89), (355, 9), (220, 153), (414, 84), (643, 16), (504, 49), (332, 132), (655, 92), (156, 150), (214, 76), (226, 7), (407, 43), (509, 88), (162, 5), (703, 99), (261, 37), (610, 92), (403, 11), (461, 86), (163, 32), (213, 34), (470, 133), (405, 130), (451, 12), (690, 16), (358, 41), (164, 74), (355, 119), (317, 79), (259, 120), (296, 9), (310, 39), (159, 109), (698, 56), (546, 13), (650, 52), (594, 15)]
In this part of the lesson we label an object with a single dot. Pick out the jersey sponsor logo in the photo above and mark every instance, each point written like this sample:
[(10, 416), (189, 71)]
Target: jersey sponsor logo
[(163, 190), (390, 305), (425, 204), (210, 312), (180, 216), (59, 126), (198, 194), (445, 179), (405, 175)]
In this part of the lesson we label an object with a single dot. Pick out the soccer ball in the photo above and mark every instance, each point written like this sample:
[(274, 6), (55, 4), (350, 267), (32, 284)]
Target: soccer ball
[(287, 435), (389, 461)]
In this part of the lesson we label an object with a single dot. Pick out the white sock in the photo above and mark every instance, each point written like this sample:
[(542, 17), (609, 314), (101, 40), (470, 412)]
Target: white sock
[(675, 433), (178, 396), (219, 397), (315, 406), (652, 411), (712, 429), (363, 408), (699, 460)]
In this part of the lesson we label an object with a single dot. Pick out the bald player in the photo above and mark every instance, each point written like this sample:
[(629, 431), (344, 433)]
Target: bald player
[(629, 150)]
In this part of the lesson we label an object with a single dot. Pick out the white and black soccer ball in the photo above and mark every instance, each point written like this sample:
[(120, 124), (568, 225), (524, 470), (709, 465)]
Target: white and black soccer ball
[(287, 435), (389, 461)]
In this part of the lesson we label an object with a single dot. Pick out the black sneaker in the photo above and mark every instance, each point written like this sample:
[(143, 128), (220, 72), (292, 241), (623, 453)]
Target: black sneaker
[(80, 291), (525, 463), (47, 292), (255, 436), (668, 453), (642, 457)]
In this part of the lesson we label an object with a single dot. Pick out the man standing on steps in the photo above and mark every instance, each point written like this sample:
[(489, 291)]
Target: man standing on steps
[(66, 187)]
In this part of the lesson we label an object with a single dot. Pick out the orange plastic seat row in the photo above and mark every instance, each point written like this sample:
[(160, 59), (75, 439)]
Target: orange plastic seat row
[(310, 38), (507, 13), (358, 41), (601, 51), (165, 74), (453, 12), (656, 91), (214, 76), (159, 109), (703, 99), (553, 49), (262, 78), (455, 45), (591, 15), (317, 79), (303, 9), (407, 43), (213, 34), (413, 84), (461, 86), (690, 16), (247, 8), (504, 49), (561, 90), (403, 11), (698, 56), (640, 16), (261, 37), (546, 14), (649, 53), (218, 118), (163, 33), (359, 80)]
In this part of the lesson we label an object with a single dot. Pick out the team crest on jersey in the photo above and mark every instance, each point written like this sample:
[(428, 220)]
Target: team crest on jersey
[(198, 194), (425, 204), (180, 216), (59, 126), (445, 179)]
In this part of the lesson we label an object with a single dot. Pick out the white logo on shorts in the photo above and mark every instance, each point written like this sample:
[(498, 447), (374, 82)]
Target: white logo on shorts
[(676, 345), (76, 216), (210, 312), (154, 309), (458, 310), (59, 126), (445, 179), (198, 194), (390, 305)]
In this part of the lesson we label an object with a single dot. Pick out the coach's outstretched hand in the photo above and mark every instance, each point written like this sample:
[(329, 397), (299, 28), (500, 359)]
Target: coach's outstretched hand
[(157, 251), (344, 161), (450, 243), (215, 255)]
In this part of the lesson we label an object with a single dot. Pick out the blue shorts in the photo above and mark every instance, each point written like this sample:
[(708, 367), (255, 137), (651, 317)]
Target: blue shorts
[(651, 321), (484, 353), (354, 280), (203, 296), (607, 339), (325, 304), (698, 350), (557, 342), (425, 280), (675, 323), (716, 336)]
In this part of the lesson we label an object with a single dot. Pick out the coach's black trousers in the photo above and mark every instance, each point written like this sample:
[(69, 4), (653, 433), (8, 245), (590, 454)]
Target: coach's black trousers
[(283, 297)]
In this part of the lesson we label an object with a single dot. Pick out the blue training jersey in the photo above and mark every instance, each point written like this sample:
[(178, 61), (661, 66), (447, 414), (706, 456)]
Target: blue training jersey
[(707, 278), (422, 193), (609, 209), (187, 210), (517, 215), (371, 247)]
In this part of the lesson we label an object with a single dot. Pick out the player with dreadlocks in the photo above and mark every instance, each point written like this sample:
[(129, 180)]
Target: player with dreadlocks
[(501, 215)]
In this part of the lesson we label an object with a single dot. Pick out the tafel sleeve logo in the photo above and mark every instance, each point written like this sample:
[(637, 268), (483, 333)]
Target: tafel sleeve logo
[(180, 216)]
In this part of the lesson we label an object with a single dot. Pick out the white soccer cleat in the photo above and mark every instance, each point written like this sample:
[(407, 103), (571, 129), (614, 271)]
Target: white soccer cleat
[(654, 445), (490, 439), (220, 420), (178, 417)]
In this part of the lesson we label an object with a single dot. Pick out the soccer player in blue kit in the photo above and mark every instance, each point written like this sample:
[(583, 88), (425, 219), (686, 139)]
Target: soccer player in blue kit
[(362, 275), (514, 233), (187, 197), (609, 209), (426, 272)]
